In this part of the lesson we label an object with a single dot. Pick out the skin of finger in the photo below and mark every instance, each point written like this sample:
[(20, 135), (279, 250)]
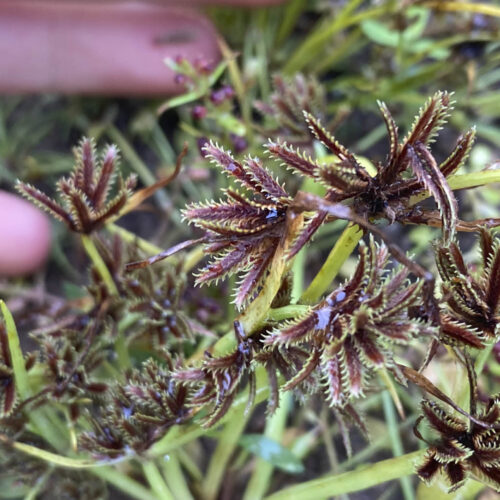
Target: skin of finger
[(234, 3), (25, 236), (243, 3), (109, 48)]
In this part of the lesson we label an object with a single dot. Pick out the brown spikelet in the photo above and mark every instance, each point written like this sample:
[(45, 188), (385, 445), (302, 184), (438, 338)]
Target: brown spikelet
[(353, 331), (244, 231), (471, 315), (461, 449), (85, 204)]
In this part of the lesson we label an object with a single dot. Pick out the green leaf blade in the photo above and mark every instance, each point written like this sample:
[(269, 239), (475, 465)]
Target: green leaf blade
[(272, 452)]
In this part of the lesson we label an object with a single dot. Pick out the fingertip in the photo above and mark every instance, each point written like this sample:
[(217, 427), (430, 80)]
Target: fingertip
[(26, 236), (108, 48)]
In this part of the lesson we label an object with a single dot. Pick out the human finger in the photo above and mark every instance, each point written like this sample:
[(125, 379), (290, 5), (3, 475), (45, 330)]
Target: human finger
[(25, 240), (98, 48)]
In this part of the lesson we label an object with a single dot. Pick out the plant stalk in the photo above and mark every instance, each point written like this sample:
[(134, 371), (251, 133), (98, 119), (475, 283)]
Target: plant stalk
[(99, 263), (348, 482)]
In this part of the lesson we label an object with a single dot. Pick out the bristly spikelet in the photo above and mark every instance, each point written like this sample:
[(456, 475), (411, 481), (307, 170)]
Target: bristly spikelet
[(138, 413), (7, 384), (462, 449), (471, 316), (216, 382), (244, 231), (409, 169), (353, 331), (85, 203)]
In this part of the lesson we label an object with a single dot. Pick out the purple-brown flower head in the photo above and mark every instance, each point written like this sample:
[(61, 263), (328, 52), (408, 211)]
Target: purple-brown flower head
[(409, 169), (138, 413), (244, 231), (353, 331), (216, 382), (472, 299), (85, 195), (462, 449)]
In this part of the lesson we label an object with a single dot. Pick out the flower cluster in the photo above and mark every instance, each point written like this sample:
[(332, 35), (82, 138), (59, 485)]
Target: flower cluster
[(472, 299), (462, 448), (353, 331), (85, 203)]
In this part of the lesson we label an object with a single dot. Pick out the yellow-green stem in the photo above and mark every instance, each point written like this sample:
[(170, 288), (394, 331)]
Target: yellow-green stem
[(397, 446), (99, 263), (226, 444), (343, 247), (261, 476), (16, 354), (287, 312), (53, 458), (356, 480), (131, 238), (175, 479), (124, 483), (38, 416), (156, 481)]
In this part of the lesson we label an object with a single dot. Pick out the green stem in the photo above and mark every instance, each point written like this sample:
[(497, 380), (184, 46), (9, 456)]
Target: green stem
[(16, 354), (99, 263), (287, 312), (483, 357), (464, 181), (356, 480), (189, 464), (227, 442), (132, 238), (156, 481), (124, 483), (388, 382), (52, 458), (257, 311), (338, 255), (298, 269), (397, 446), (261, 475), (175, 478), (38, 416)]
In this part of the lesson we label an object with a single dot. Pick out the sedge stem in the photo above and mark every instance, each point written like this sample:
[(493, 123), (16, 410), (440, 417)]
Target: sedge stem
[(351, 481), (99, 263), (156, 481), (342, 249)]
